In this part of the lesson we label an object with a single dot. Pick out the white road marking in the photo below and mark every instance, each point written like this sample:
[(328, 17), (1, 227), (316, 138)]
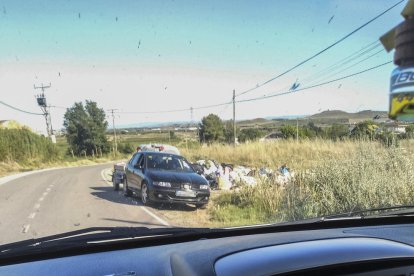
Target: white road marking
[(25, 228), (45, 194), (155, 216), (160, 220), (41, 199), (32, 215), (5, 179), (48, 190), (104, 178), (37, 206)]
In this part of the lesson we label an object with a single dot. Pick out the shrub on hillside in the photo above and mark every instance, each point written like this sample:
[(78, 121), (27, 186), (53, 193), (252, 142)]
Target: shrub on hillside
[(22, 145)]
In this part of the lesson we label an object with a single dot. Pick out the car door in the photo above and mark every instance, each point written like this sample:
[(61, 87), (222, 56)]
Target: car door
[(139, 171), (130, 171)]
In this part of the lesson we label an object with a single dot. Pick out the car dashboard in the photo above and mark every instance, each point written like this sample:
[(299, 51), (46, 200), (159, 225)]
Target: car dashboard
[(369, 250)]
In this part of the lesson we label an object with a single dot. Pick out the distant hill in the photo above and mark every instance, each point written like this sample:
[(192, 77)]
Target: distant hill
[(339, 114), (325, 117), (253, 121)]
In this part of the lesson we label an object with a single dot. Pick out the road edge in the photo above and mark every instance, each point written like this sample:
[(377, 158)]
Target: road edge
[(8, 178), (160, 220)]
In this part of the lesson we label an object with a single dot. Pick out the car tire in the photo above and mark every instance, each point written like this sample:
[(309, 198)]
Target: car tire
[(145, 195), (127, 191), (201, 205), (114, 184)]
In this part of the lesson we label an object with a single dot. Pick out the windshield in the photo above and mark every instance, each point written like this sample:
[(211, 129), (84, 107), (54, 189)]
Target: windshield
[(200, 113), (168, 163)]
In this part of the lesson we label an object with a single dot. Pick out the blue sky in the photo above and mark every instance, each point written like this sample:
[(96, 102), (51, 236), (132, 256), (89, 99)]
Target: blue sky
[(158, 55)]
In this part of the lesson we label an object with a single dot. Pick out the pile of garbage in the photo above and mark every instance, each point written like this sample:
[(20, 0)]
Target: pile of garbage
[(227, 176)]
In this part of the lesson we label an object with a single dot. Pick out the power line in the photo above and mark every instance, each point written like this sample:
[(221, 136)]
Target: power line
[(337, 65), (321, 74), (322, 51), (313, 86), (252, 99), (113, 127), (173, 110), (18, 109), (351, 66), (59, 107)]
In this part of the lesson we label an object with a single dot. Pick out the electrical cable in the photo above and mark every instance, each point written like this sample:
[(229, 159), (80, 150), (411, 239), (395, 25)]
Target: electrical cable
[(320, 52), (18, 109), (313, 86)]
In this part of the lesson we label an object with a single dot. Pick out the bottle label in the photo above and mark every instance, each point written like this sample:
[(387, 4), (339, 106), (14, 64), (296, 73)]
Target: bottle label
[(402, 94)]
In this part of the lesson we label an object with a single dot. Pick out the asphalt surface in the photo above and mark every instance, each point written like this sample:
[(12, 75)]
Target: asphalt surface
[(62, 200)]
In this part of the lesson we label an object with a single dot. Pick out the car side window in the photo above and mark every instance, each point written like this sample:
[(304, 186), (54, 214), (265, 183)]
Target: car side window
[(140, 161), (130, 160), (135, 159)]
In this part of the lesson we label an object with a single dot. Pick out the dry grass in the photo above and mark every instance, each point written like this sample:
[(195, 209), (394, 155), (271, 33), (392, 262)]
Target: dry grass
[(332, 177), (8, 168), (301, 155)]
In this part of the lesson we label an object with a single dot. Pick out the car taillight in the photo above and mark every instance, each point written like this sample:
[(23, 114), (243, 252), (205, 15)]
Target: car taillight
[(161, 148)]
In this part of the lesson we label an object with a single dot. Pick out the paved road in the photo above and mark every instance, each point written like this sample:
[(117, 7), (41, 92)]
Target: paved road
[(62, 200)]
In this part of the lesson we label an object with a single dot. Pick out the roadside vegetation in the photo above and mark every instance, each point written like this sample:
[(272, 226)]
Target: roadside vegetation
[(336, 170), (21, 149), (337, 177)]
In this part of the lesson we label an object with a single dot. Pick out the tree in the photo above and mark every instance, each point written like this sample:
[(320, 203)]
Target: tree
[(211, 129), (250, 134), (337, 131), (289, 131), (364, 130), (312, 130), (172, 135), (409, 131), (85, 128), (229, 131)]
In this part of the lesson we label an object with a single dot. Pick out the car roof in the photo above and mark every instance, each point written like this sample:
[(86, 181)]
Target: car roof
[(160, 153)]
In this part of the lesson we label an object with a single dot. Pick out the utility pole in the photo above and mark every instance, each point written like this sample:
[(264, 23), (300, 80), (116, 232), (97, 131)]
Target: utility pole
[(41, 101), (113, 127), (234, 117), (297, 130)]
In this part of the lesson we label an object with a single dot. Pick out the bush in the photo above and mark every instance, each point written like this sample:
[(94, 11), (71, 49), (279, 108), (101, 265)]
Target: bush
[(22, 145), (250, 134), (126, 148)]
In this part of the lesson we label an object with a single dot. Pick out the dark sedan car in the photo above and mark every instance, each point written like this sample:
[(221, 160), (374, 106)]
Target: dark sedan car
[(165, 177)]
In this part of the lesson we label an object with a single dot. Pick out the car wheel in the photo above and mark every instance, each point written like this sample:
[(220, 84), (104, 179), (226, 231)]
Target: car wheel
[(145, 194), (114, 184), (201, 205), (127, 191)]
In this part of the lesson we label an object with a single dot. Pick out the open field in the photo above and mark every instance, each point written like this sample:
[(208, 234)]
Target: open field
[(331, 177)]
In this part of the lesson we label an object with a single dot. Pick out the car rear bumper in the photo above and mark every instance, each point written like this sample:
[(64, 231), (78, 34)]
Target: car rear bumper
[(169, 195)]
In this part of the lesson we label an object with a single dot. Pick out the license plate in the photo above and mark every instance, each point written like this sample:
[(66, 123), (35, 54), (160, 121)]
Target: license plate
[(185, 193)]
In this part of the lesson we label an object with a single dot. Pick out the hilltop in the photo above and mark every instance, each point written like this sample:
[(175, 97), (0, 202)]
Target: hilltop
[(339, 114)]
